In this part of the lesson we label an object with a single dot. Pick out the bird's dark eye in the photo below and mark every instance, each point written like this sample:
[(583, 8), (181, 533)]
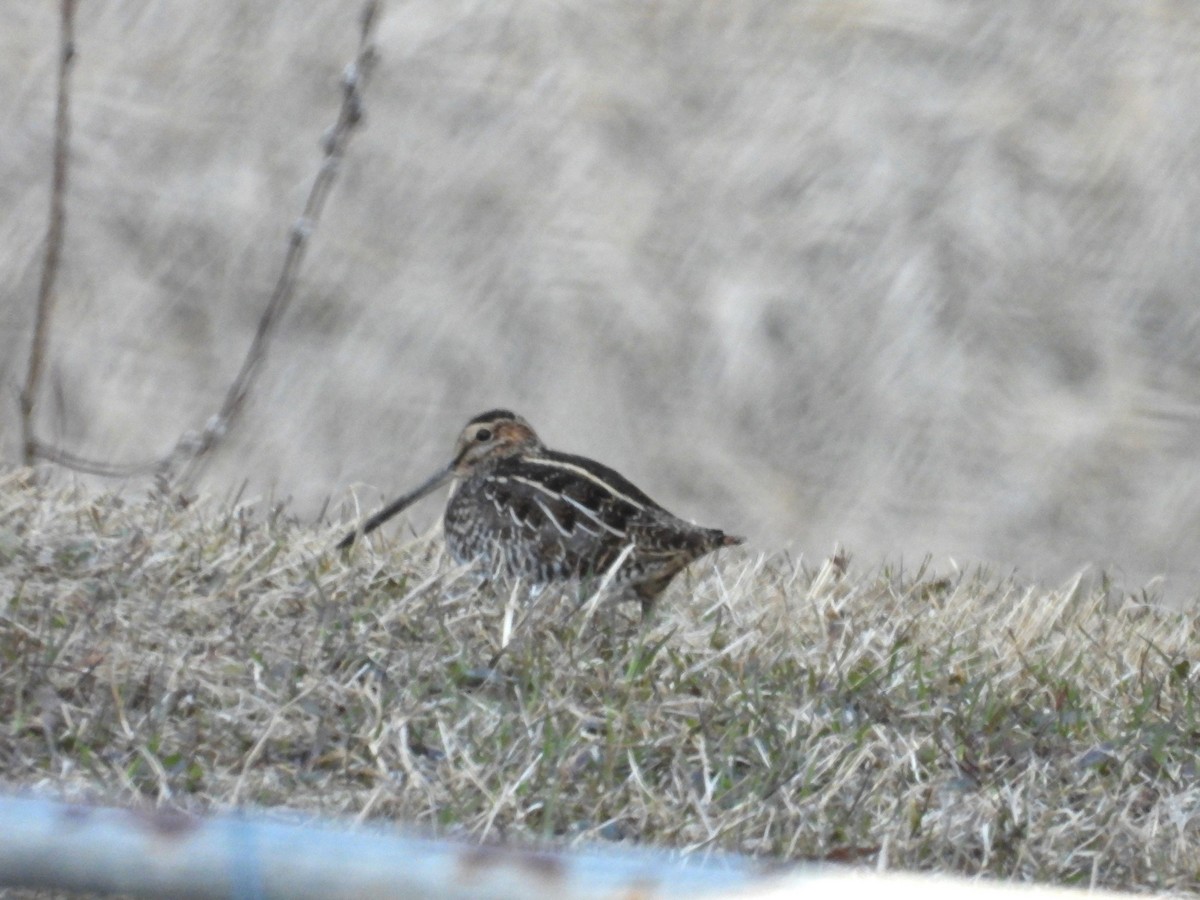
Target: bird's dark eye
[(483, 434)]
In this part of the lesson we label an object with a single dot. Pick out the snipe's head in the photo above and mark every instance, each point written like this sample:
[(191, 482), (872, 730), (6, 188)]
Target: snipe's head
[(492, 435)]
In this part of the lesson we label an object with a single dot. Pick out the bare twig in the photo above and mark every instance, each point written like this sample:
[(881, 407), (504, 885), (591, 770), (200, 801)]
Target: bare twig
[(193, 447), (54, 230), (71, 460), (354, 80)]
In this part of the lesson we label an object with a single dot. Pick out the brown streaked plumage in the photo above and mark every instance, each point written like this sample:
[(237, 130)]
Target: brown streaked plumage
[(546, 516)]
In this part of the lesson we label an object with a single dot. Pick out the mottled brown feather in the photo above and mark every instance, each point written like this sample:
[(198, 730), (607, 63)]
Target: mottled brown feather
[(546, 516)]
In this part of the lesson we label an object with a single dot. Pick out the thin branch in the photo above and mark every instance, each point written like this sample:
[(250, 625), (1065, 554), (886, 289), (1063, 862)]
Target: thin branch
[(192, 447), (354, 80), (54, 230), (70, 460)]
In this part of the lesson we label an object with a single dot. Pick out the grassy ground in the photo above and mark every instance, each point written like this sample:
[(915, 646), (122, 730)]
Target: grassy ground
[(202, 655)]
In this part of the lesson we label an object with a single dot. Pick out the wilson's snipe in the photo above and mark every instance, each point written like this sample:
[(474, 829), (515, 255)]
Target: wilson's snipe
[(546, 516)]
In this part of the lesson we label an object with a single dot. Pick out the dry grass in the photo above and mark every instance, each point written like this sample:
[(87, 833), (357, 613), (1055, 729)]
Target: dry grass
[(206, 654), (871, 250)]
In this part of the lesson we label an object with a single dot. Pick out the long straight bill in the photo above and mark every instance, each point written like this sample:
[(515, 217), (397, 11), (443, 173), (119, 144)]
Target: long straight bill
[(397, 506)]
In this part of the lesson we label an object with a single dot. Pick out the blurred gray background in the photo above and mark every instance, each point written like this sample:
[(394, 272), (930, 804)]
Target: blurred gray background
[(916, 277)]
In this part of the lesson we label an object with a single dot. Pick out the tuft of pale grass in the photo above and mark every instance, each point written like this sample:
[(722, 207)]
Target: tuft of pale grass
[(205, 654)]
